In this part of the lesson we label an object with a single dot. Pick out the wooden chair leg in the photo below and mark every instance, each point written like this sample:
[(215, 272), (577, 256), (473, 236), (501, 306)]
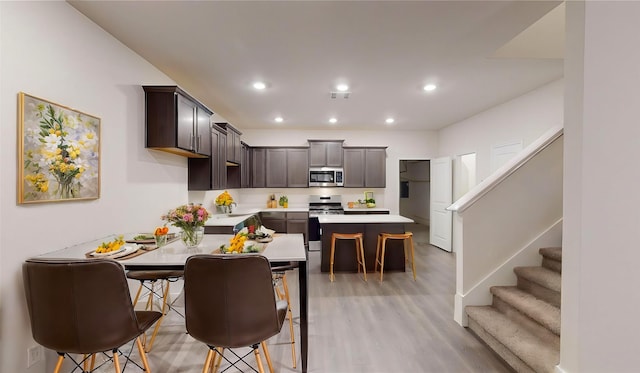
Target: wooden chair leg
[(413, 261), (333, 252), (290, 312), (258, 360), (375, 266), (217, 359), (165, 294), (93, 362), (383, 248), (208, 361), (135, 299), (143, 356), (116, 362), (267, 355), (59, 363), (360, 255)]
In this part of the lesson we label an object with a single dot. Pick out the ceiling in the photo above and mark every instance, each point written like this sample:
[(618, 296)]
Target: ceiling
[(478, 53)]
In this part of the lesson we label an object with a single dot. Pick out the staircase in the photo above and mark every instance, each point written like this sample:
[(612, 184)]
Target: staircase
[(523, 323)]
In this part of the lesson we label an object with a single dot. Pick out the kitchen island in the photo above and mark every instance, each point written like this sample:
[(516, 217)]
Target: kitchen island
[(370, 226)]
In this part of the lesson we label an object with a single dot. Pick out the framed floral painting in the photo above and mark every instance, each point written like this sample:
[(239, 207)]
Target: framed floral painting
[(58, 152)]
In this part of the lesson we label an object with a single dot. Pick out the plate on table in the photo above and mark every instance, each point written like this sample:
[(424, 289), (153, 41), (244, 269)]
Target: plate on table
[(147, 238), (122, 251)]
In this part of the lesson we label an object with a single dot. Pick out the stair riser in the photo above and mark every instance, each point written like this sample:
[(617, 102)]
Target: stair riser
[(524, 320), (546, 294), (551, 264), (500, 349)]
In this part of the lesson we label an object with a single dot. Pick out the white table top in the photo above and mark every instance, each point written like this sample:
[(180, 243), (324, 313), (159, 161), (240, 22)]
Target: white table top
[(363, 219), (283, 248)]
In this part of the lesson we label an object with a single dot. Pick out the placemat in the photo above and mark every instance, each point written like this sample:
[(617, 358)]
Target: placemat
[(141, 250)]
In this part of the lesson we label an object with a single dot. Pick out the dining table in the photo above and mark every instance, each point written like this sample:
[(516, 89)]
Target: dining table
[(282, 249)]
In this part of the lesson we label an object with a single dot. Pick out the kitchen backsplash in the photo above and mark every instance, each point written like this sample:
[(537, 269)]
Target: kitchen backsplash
[(298, 197)]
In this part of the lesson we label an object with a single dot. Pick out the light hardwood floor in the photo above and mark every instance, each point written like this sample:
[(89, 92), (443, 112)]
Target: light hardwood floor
[(399, 325)]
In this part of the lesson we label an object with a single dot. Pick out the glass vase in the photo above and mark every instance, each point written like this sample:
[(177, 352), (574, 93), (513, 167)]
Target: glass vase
[(191, 237)]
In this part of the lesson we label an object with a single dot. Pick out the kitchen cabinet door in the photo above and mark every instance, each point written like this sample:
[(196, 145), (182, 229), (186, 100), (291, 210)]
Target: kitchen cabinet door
[(334, 154), (375, 168), (276, 168), (203, 128), (298, 222), (259, 167), (354, 167), (298, 168), (245, 167), (176, 122), (325, 153)]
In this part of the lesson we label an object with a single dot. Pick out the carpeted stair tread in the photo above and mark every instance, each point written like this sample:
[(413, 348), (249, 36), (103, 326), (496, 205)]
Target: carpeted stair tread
[(542, 312), (541, 354), (541, 276), (554, 253)]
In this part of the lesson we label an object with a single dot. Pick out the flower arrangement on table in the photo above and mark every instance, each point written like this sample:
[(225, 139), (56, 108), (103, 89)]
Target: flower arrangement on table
[(238, 243), (190, 218)]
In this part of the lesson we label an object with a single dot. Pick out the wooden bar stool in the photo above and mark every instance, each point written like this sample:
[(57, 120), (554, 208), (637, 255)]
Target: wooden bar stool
[(381, 247), (357, 237)]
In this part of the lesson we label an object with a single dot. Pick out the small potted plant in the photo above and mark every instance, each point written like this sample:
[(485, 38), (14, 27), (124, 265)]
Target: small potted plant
[(284, 202), (370, 202)]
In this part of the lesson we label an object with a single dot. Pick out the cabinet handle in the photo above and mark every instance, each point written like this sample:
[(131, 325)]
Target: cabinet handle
[(192, 144), (198, 146)]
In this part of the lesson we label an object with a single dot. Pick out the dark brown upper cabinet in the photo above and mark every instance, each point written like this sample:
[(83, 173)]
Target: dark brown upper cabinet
[(365, 167), (234, 146), (325, 153), (176, 122)]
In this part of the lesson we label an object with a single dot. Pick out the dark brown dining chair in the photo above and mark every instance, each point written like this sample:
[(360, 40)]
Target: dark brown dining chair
[(157, 284), (281, 287), (83, 307), (230, 303)]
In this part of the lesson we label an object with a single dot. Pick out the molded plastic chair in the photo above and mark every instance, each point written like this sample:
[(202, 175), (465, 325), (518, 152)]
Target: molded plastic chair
[(230, 303), (282, 291), (83, 307), (148, 280)]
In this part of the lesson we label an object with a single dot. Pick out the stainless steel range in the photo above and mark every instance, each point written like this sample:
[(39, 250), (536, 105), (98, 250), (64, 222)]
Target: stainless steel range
[(325, 205), (318, 206)]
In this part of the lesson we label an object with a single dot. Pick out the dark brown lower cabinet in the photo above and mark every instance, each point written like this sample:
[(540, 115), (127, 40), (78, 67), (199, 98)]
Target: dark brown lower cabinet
[(345, 253)]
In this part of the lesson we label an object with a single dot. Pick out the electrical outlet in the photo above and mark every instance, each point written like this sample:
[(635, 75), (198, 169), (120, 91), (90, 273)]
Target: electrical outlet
[(34, 355)]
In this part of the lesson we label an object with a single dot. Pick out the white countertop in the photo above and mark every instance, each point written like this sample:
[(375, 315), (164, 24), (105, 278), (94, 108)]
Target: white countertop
[(241, 214), (359, 219), (364, 209), (283, 248)]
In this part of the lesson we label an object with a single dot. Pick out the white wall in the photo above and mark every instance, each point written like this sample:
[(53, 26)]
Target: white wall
[(50, 50), (600, 274), (524, 118), (401, 145)]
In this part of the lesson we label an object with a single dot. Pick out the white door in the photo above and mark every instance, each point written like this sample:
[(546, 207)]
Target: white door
[(441, 194)]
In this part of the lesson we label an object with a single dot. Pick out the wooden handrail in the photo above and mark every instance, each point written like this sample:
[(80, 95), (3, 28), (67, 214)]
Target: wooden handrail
[(507, 169)]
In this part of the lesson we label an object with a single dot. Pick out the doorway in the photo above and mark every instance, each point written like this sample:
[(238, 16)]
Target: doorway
[(415, 187)]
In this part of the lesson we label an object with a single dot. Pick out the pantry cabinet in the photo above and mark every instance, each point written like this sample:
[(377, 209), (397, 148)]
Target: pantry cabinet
[(176, 122)]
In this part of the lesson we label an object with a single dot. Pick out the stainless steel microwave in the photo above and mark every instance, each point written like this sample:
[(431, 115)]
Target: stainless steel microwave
[(326, 177)]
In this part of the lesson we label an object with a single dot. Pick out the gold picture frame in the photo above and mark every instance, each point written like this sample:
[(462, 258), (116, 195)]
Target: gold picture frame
[(58, 152)]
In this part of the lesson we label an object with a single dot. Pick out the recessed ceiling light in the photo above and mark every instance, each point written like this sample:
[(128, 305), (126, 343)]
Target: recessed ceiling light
[(333, 120), (259, 85), (389, 120), (429, 87), (342, 87), (279, 119)]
